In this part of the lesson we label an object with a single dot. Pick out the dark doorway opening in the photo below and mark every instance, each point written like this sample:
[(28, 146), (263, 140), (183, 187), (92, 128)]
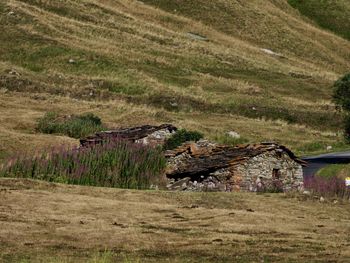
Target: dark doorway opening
[(276, 174)]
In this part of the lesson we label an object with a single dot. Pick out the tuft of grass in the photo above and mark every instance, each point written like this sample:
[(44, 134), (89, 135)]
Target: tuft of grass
[(114, 163), (180, 137), (76, 126)]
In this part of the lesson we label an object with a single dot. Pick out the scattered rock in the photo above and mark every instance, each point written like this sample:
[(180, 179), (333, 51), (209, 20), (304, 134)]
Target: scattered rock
[(196, 36), (180, 184), (11, 13), (233, 134), (13, 72), (272, 53), (119, 225), (298, 75), (154, 187), (329, 148), (308, 193), (71, 61), (322, 199)]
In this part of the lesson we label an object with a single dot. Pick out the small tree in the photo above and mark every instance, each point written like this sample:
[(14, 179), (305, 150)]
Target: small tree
[(180, 137), (347, 128), (341, 94), (341, 97)]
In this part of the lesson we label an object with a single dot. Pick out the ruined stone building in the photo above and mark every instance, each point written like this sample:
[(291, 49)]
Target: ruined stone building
[(206, 166), (147, 135)]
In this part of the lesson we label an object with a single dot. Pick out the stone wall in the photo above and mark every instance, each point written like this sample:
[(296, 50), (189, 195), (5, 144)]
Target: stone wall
[(257, 174), (210, 167)]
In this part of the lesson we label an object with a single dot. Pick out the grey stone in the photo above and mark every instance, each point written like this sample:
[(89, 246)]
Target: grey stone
[(180, 184), (233, 134)]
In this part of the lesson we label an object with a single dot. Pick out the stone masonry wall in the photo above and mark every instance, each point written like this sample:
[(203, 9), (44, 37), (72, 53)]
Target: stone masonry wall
[(257, 173)]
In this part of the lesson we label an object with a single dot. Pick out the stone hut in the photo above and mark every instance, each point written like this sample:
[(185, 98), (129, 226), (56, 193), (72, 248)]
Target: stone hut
[(206, 166), (147, 135)]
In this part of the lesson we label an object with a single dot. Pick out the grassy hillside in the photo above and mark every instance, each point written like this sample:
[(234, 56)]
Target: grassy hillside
[(329, 14), (134, 62)]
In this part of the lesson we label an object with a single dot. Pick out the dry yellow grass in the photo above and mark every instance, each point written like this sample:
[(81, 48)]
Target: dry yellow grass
[(44, 222)]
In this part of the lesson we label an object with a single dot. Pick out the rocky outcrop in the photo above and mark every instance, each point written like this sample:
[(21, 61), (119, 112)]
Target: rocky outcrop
[(147, 134), (258, 167)]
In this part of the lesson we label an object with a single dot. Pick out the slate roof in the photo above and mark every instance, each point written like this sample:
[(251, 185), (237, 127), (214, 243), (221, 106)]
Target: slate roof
[(131, 134), (210, 158)]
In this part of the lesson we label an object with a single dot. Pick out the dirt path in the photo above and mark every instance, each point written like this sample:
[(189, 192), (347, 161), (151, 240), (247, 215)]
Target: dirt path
[(41, 221)]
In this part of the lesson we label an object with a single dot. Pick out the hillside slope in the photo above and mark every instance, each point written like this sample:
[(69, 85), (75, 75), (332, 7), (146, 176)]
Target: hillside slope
[(254, 66), (332, 15)]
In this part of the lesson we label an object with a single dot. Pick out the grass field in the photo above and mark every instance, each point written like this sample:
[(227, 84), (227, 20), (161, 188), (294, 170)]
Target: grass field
[(133, 62), (44, 222), (339, 170)]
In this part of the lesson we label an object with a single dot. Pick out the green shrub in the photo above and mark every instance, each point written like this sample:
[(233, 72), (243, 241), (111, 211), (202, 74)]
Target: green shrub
[(75, 126), (180, 137), (114, 163), (341, 95), (347, 129)]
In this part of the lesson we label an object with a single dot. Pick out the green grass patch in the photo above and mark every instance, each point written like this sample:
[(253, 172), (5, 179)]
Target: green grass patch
[(335, 170), (321, 147), (229, 140), (75, 126), (329, 14)]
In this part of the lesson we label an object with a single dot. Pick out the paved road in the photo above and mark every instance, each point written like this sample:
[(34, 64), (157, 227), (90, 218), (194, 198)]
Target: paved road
[(317, 162)]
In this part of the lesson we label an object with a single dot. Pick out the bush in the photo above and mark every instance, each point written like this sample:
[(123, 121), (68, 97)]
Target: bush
[(112, 164), (76, 126), (180, 137), (341, 95), (327, 187), (347, 128)]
